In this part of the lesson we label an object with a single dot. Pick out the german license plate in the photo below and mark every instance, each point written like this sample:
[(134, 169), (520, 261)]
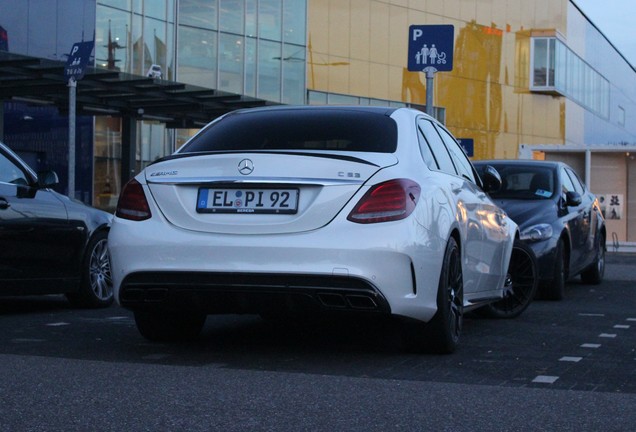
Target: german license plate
[(274, 201)]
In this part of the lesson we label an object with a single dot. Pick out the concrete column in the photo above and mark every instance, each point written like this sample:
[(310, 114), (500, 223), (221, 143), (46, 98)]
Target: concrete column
[(128, 148)]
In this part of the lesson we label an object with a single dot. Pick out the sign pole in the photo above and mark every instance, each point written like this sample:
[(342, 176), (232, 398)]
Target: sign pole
[(72, 89), (430, 80), (74, 71)]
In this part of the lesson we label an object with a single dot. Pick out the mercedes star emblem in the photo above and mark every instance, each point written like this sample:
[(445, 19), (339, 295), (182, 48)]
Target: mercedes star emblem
[(246, 167)]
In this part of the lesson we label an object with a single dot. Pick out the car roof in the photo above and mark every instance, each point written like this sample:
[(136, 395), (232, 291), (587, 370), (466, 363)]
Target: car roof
[(384, 110), (521, 162)]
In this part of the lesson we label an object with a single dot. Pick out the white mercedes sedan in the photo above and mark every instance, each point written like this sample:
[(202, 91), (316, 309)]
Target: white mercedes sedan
[(315, 209)]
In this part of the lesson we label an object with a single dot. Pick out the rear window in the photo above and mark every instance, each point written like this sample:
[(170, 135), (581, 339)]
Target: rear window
[(332, 130)]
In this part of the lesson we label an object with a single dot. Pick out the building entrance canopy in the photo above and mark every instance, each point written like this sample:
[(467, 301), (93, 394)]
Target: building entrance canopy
[(108, 92)]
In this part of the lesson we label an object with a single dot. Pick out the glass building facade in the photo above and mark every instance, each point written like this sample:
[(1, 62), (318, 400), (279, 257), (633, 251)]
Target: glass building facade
[(248, 47), (526, 73)]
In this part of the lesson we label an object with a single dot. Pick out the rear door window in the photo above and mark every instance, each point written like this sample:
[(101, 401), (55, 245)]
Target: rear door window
[(460, 159), (426, 152), (435, 143)]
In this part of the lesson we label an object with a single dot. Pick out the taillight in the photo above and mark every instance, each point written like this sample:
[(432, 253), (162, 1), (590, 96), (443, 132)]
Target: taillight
[(389, 201), (132, 203)]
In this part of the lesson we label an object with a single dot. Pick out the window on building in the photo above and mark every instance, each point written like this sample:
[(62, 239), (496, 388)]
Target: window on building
[(198, 13), (197, 56), (231, 62), (269, 70), (543, 62), (270, 17), (232, 16), (293, 74), (555, 69), (621, 116)]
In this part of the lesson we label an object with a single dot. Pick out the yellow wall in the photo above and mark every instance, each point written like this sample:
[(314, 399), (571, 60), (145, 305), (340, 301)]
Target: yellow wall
[(359, 48)]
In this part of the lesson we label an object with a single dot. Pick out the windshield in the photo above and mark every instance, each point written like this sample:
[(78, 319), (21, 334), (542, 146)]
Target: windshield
[(525, 182), (304, 130)]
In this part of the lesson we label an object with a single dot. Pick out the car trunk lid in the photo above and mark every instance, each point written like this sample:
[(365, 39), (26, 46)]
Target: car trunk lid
[(259, 192)]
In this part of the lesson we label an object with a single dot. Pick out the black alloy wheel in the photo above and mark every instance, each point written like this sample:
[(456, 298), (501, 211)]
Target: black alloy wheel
[(594, 274), (520, 287), (96, 286), (555, 290), (441, 334)]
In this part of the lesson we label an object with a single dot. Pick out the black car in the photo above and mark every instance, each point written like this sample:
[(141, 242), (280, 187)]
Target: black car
[(558, 217), (50, 244)]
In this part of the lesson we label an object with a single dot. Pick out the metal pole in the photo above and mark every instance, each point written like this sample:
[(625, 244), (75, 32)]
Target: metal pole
[(72, 88), (588, 168), (430, 77)]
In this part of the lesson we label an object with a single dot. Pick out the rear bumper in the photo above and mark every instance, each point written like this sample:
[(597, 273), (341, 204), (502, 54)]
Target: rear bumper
[(354, 268), (213, 293)]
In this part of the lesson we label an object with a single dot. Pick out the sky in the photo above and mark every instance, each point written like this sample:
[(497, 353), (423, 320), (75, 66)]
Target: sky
[(617, 20)]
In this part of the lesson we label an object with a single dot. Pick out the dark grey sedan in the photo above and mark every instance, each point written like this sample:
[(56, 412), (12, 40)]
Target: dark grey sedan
[(50, 244), (558, 217)]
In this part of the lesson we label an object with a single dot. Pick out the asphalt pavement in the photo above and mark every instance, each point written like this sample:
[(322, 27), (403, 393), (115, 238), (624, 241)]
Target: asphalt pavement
[(566, 366)]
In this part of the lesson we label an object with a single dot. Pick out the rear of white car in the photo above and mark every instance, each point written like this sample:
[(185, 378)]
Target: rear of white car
[(301, 209)]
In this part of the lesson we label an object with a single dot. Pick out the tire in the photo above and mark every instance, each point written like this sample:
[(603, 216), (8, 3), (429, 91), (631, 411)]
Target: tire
[(96, 285), (593, 275), (169, 327), (520, 287), (556, 289), (441, 334)]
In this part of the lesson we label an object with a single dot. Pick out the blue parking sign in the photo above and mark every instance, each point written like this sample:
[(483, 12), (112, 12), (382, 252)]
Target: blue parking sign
[(431, 46), (78, 60)]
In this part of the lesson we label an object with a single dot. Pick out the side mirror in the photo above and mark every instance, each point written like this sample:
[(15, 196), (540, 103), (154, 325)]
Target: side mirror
[(490, 179), (573, 199), (47, 179)]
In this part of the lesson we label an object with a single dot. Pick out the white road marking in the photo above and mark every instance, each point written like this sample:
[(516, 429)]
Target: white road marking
[(58, 324), (545, 379), (592, 314), (607, 335), (621, 326), (571, 359), (590, 345)]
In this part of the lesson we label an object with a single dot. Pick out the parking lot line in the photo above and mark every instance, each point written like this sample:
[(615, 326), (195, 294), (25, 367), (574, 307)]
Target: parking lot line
[(571, 359), (545, 379)]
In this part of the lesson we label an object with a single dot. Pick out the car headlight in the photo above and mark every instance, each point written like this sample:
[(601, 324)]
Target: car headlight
[(537, 233)]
